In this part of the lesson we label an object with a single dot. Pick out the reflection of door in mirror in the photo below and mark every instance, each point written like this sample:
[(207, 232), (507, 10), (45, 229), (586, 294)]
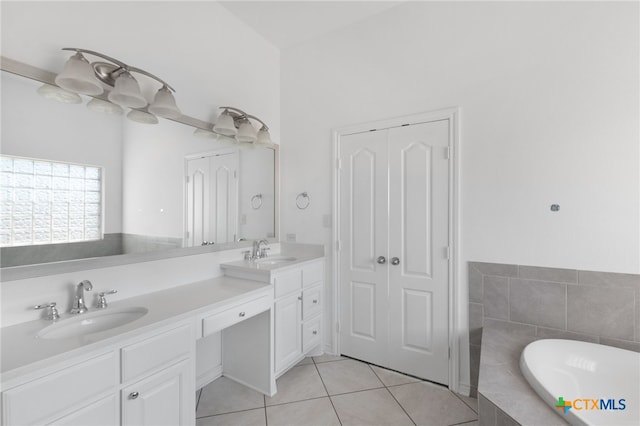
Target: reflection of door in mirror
[(212, 198)]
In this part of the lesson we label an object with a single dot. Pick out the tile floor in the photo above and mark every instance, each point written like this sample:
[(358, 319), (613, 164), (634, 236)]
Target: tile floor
[(330, 390)]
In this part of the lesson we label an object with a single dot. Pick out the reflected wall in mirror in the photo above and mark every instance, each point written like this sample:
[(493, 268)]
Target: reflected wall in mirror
[(144, 177)]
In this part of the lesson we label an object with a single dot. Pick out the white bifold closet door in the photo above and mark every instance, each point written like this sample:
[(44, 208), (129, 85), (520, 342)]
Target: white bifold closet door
[(394, 254), (212, 199)]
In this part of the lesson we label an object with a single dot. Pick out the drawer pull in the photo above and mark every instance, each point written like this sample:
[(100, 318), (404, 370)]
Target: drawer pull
[(241, 314), (315, 331), (134, 395)]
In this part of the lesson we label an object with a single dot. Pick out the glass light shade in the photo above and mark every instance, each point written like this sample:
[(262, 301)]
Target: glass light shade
[(58, 94), (78, 76), (202, 133), (225, 125), (142, 117), (164, 104), (246, 133), (264, 138), (126, 92), (104, 107)]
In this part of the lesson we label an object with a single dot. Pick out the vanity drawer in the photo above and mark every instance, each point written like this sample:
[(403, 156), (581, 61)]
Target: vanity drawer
[(313, 273), (155, 352), (216, 322), (287, 282), (311, 301), (311, 333), (68, 389)]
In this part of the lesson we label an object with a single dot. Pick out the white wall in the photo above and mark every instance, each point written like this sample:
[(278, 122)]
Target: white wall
[(549, 114), (35, 127)]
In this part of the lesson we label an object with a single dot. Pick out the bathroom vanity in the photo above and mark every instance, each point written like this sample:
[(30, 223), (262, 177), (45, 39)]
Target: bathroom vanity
[(266, 314)]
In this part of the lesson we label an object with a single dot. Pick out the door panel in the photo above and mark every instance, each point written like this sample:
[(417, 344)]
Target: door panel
[(363, 230), (419, 235)]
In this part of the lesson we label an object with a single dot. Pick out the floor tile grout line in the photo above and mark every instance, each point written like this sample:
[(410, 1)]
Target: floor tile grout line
[(327, 391), (230, 412), (464, 423), (266, 419), (297, 400), (398, 402)]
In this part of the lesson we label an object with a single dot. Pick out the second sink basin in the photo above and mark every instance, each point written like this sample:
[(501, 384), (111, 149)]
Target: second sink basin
[(276, 260), (92, 322)]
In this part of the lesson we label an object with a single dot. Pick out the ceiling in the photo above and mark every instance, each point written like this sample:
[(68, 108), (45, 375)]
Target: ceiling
[(287, 23)]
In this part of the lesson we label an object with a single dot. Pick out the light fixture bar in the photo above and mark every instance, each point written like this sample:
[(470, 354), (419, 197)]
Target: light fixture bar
[(120, 64)]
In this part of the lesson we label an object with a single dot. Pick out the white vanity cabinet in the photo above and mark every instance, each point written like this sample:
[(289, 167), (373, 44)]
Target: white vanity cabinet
[(149, 381), (298, 313)]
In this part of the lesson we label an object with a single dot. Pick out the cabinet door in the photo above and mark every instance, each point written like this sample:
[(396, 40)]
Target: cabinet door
[(161, 399), (288, 334), (101, 413)]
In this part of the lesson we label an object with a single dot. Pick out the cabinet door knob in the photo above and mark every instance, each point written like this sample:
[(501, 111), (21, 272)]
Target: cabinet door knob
[(395, 261), (299, 297), (134, 395), (241, 314), (315, 300), (381, 260), (315, 331)]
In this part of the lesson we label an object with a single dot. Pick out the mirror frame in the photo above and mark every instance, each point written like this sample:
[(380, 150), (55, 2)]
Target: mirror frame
[(42, 269)]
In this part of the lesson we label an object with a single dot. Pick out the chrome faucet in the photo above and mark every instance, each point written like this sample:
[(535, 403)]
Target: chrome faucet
[(79, 307), (258, 252)]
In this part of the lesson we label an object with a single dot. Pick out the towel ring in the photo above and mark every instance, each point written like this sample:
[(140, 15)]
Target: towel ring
[(256, 201), (303, 200)]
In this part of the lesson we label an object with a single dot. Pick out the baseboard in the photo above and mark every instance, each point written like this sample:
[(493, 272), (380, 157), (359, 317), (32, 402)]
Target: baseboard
[(208, 376), (464, 389)]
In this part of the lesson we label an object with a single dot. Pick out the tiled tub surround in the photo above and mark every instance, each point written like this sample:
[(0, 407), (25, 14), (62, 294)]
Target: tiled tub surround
[(504, 396), (596, 307)]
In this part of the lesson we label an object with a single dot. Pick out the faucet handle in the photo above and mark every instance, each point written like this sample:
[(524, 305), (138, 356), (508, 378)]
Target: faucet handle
[(102, 300), (247, 254), (263, 251), (52, 311)]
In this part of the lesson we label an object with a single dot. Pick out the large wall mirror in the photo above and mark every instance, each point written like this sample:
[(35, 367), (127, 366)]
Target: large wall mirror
[(159, 186)]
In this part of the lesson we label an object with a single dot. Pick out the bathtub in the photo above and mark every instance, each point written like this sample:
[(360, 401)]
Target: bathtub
[(599, 385)]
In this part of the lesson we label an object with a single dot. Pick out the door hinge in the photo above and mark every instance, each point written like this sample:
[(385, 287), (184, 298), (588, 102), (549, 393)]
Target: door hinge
[(186, 179), (338, 245), (338, 163), (447, 153), (235, 174), (186, 234), (447, 253), (449, 353)]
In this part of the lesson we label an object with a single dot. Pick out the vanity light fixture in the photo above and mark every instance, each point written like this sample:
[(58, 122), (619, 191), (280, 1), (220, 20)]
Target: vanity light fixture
[(235, 122), (143, 117), (98, 105), (59, 94), (81, 76)]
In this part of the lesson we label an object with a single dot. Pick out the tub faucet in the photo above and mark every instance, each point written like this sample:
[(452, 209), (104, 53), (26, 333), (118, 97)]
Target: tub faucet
[(79, 307), (257, 251)]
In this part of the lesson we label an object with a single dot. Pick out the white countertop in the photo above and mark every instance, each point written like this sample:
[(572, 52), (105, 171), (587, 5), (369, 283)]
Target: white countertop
[(257, 268), (22, 351)]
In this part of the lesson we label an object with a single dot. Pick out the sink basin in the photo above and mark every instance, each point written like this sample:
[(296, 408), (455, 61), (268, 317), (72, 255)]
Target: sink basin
[(276, 260), (92, 322)]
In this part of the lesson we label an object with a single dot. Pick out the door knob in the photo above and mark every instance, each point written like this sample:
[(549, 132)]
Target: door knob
[(134, 395), (395, 261), (381, 260)]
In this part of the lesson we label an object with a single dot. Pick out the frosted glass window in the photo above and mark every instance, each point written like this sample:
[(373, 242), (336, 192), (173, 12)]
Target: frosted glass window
[(44, 202)]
